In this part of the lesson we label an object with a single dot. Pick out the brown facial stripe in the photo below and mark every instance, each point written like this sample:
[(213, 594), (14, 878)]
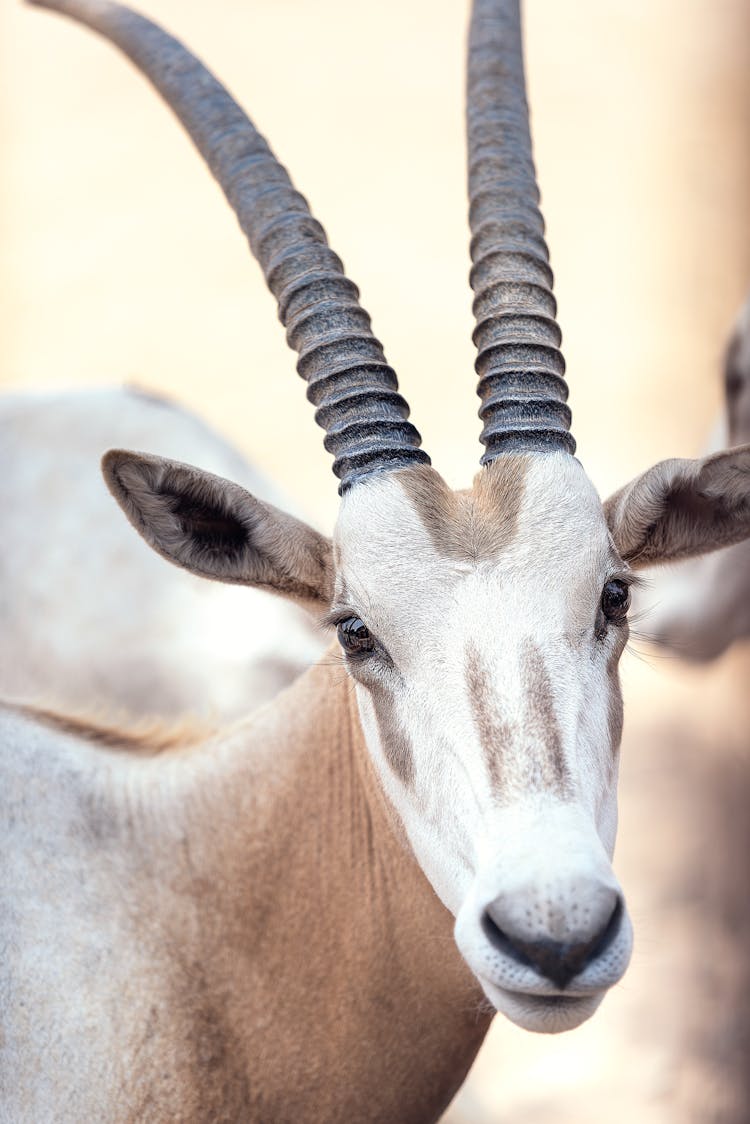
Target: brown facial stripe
[(614, 708), (542, 724), (466, 526), (536, 762), (394, 739), (495, 735)]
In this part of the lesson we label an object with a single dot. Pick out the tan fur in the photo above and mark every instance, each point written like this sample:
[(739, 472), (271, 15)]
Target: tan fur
[(471, 524), (223, 882), (148, 737)]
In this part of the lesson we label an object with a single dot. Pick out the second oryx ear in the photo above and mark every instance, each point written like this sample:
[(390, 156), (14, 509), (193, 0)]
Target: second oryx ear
[(682, 508), (216, 529)]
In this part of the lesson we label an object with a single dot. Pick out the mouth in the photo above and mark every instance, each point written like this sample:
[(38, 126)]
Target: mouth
[(543, 1014)]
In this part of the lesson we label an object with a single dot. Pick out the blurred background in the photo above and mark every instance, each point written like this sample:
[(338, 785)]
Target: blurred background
[(121, 262)]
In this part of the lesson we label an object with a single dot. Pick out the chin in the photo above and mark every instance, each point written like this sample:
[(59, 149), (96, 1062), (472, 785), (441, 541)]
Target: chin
[(543, 1014)]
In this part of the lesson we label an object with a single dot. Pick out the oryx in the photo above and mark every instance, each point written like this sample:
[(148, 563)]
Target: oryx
[(699, 607), (298, 919)]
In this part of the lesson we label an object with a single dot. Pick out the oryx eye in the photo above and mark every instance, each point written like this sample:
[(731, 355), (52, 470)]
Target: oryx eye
[(354, 636), (733, 383), (615, 600)]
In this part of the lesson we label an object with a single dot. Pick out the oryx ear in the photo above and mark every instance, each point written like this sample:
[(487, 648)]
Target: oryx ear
[(218, 530), (682, 508)]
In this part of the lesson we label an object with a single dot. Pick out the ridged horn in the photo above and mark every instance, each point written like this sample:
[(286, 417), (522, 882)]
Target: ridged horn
[(348, 378), (520, 366)]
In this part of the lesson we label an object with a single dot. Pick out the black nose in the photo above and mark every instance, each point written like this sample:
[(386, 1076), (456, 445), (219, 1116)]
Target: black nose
[(557, 960)]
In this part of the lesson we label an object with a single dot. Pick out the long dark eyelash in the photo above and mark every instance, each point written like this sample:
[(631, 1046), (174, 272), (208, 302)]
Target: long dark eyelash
[(629, 578), (334, 617)]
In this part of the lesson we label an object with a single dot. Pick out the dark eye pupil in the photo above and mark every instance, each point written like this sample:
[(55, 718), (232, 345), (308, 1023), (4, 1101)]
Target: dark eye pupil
[(615, 599), (354, 636)]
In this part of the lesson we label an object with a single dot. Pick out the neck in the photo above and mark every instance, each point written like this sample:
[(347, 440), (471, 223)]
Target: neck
[(346, 974)]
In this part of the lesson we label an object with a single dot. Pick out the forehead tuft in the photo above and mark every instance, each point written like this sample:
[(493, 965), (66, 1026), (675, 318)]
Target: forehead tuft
[(477, 523), (514, 493), (416, 507)]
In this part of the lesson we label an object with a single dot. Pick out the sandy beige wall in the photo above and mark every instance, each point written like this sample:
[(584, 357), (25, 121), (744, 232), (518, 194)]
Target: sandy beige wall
[(121, 262)]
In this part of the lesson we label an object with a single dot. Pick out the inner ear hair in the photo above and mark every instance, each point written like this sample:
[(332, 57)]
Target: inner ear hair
[(211, 527), (216, 529)]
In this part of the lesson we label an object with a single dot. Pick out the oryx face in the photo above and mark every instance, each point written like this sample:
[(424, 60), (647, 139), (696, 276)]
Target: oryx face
[(483, 630)]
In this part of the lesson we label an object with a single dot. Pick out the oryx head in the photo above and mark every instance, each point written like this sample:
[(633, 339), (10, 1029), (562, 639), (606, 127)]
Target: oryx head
[(699, 608), (483, 628)]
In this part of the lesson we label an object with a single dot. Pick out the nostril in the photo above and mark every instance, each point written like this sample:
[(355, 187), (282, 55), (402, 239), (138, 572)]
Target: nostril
[(501, 941), (559, 961), (606, 936)]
